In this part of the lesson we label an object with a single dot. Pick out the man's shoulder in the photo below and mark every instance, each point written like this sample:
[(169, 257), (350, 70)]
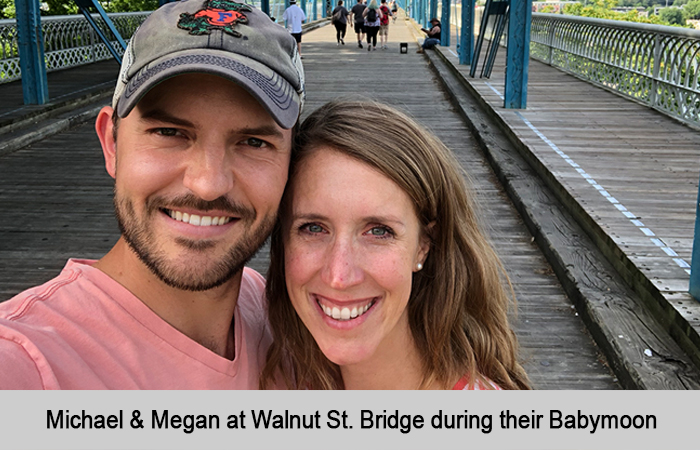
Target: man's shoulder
[(251, 297), (40, 322), (61, 287)]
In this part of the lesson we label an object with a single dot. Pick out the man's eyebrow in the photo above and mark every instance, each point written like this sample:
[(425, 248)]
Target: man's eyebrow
[(159, 115), (264, 130), (162, 116)]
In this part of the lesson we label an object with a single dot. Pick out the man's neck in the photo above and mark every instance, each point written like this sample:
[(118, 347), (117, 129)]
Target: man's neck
[(205, 317)]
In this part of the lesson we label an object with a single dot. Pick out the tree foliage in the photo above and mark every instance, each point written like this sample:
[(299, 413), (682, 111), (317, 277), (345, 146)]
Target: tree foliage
[(692, 10), (7, 9), (61, 7), (601, 9), (674, 16)]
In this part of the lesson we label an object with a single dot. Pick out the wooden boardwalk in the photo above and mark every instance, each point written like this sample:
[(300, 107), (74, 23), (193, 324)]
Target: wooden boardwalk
[(56, 203)]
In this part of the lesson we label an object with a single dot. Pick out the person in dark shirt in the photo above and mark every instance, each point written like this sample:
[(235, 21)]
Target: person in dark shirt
[(340, 22), (433, 35), (359, 21)]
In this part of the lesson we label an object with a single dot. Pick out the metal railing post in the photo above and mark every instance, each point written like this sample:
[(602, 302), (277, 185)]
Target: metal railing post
[(517, 54), (30, 40), (550, 38), (445, 29), (695, 262), (466, 38), (655, 72)]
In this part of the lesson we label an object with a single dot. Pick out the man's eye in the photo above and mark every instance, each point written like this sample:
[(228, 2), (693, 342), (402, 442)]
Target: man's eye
[(255, 142), (167, 132)]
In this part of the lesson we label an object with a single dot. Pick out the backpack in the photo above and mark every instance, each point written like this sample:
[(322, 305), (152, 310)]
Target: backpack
[(336, 16), (371, 15)]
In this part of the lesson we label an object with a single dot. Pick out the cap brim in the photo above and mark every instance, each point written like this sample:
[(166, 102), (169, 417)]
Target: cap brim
[(274, 93)]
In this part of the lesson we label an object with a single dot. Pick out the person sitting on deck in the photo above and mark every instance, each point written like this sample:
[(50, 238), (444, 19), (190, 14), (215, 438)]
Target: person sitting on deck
[(198, 141), (433, 35)]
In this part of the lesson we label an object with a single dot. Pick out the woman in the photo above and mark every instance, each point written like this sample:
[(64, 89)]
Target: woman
[(340, 22), (380, 277), (373, 16)]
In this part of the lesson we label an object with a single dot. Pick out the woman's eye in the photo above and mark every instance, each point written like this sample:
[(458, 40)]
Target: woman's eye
[(312, 228), (380, 231), (255, 142)]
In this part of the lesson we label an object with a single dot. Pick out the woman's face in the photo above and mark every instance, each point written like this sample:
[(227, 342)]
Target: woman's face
[(352, 243)]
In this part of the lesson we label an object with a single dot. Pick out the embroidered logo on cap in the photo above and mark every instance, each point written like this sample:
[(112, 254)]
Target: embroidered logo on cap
[(217, 15)]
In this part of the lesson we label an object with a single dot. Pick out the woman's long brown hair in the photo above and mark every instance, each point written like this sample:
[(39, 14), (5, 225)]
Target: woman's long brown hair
[(458, 309)]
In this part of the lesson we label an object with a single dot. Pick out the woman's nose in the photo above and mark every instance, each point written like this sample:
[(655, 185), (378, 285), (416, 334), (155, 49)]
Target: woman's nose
[(341, 266)]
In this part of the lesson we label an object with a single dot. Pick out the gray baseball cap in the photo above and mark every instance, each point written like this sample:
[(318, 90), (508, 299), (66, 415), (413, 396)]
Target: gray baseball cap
[(220, 37)]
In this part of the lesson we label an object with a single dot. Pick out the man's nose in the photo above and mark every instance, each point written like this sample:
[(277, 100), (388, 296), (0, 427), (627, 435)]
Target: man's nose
[(209, 174), (342, 265)]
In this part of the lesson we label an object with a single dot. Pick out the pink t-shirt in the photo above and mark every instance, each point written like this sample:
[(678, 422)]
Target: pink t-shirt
[(486, 385), (83, 330)]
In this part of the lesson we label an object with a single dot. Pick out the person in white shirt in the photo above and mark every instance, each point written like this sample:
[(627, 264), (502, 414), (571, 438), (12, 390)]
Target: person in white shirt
[(293, 18)]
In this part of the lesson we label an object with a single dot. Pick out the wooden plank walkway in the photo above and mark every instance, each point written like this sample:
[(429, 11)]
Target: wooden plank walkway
[(56, 203), (65, 86), (630, 172)]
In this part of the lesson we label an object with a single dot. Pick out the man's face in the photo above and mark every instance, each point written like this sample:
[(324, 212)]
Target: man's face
[(200, 168)]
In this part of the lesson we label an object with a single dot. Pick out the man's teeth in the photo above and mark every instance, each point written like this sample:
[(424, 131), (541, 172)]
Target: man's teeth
[(345, 313), (194, 219)]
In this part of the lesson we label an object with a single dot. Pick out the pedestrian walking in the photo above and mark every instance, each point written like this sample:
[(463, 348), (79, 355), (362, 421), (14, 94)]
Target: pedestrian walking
[(384, 25), (373, 16), (340, 22), (359, 21), (293, 18), (394, 10)]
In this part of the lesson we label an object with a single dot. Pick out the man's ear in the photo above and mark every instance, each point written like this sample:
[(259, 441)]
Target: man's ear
[(105, 131)]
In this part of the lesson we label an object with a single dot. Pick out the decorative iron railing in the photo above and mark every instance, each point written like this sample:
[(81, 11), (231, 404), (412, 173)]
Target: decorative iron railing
[(68, 41), (656, 65)]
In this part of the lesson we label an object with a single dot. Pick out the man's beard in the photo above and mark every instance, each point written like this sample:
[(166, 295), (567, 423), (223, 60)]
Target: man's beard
[(141, 239)]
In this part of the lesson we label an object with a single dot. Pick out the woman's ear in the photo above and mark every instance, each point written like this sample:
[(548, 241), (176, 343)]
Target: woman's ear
[(424, 244), (105, 131)]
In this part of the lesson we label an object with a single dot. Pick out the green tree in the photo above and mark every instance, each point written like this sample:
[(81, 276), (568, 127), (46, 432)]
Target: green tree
[(692, 10), (674, 16), (130, 5), (7, 9)]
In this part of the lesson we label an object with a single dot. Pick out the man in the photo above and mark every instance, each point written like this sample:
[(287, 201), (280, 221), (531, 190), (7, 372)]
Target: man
[(198, 141), (359, 21), (293, 18), (384, 25), (432, 35)]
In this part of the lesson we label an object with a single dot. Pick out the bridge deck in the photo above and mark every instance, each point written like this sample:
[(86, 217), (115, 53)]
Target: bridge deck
[(629, 172), (56, 196)]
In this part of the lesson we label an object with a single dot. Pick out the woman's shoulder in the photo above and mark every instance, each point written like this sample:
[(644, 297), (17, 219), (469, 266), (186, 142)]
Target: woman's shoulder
[(480, 384)]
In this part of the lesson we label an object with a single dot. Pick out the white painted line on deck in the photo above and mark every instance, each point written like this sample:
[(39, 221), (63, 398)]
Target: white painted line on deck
[(634, 219), (494, 90), (450, 50)]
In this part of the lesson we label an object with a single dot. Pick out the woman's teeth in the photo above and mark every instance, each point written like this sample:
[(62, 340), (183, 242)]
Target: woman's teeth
[(345, 313), (201, 221)]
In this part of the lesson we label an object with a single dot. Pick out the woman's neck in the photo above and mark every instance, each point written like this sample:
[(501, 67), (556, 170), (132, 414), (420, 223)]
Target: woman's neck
[(396, 364)]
